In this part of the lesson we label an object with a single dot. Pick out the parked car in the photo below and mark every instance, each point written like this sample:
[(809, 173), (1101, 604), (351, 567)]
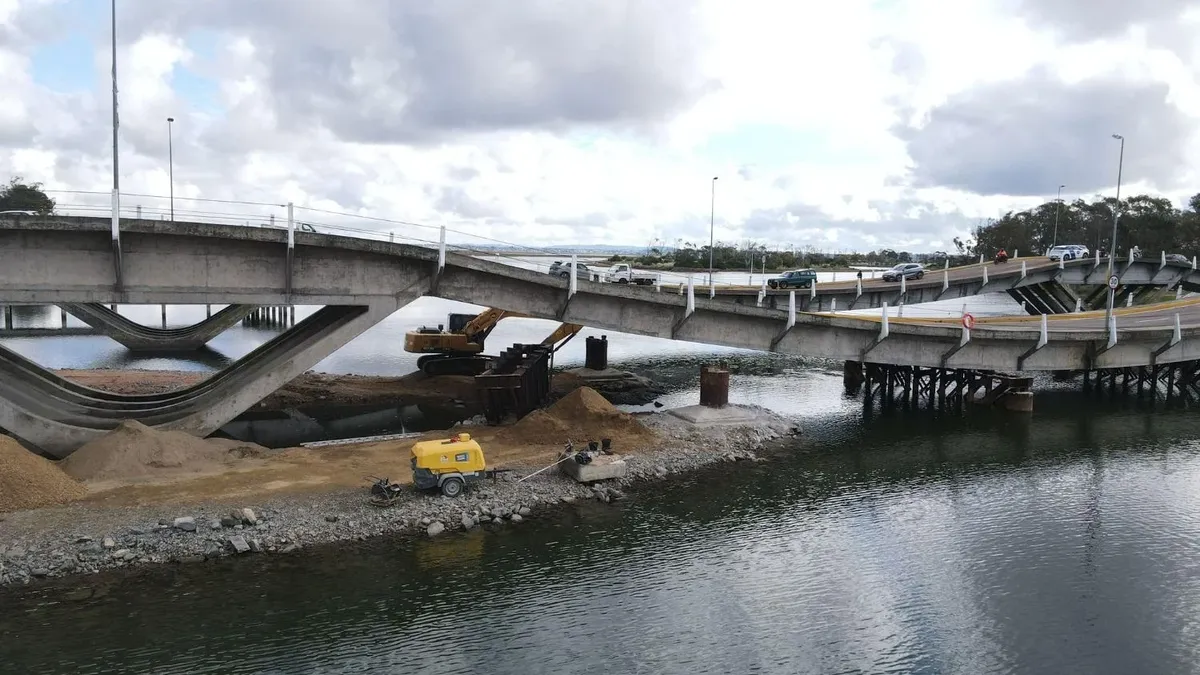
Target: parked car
[(624, 274), (563, 269), (905, 271), (1178, 259), (793, 279), (1068, 252)]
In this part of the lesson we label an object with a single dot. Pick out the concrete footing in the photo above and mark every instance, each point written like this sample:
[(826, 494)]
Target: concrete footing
[(705, 416), (602, 467)]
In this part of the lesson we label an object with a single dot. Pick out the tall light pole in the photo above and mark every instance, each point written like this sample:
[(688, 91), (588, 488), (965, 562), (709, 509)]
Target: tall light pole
[(171, 163), (712, 218), (1112, 247), (1057, 211), (116, 204)]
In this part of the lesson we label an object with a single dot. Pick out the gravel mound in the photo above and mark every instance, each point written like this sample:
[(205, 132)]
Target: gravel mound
[(134, 450), (28, 481), (579, 416)]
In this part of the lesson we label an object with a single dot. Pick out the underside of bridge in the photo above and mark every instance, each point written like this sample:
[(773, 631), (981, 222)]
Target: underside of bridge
[(138, 338), (57, 415), (1049, 297)]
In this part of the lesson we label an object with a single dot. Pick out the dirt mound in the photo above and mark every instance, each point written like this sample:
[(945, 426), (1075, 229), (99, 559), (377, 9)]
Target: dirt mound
[(580, 416), (134, 450), (30, 482)]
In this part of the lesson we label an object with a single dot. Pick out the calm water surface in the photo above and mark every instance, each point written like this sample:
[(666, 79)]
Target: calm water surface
[(1067, 541)]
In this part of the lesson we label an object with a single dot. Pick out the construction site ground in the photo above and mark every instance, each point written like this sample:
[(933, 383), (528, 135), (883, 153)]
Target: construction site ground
[(447, 393), (137, 466)]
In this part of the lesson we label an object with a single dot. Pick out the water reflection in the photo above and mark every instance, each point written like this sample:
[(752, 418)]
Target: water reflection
[(912, 543)]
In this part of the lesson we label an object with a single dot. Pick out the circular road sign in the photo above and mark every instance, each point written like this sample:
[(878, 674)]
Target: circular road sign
[(968, 321), (1113, 281)]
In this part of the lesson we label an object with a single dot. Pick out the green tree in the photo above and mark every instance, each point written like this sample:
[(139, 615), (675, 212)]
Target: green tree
[(21, 196)]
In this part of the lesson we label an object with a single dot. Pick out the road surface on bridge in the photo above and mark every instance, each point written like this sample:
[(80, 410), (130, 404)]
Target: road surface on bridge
[(1159, 316)]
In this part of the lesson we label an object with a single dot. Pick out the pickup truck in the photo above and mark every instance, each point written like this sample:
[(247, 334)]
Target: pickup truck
[(793, 279), (624, 274)]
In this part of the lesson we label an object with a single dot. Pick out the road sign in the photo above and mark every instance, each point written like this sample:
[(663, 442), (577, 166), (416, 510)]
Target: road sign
[(968, 321), (1113, 281)]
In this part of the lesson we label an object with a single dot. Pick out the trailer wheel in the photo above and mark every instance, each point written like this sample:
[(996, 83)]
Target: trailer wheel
[(453, 487)]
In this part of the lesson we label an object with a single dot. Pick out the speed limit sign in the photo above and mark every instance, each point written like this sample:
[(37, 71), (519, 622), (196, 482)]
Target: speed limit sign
[(1113, 281)]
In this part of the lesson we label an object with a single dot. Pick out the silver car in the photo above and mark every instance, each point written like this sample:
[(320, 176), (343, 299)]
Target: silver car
[(563, 269), (1067, 252)]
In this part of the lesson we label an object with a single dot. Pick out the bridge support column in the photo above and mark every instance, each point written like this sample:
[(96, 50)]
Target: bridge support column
[(915, 387), (852, 376), (137, 337), (714, 386)]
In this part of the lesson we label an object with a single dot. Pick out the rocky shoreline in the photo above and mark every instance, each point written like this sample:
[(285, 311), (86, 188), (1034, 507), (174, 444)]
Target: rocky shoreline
[(80, 539)]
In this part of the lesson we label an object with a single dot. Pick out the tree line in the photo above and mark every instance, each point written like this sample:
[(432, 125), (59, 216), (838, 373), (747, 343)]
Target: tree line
[(1151, 223), (21, 196), (729, 256)]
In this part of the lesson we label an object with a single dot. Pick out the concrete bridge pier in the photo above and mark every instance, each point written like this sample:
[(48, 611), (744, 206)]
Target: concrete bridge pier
[(136, 337), (852, 376)]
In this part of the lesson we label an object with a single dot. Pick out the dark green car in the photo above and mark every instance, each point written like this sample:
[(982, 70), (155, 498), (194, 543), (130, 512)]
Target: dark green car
[(793, 279)]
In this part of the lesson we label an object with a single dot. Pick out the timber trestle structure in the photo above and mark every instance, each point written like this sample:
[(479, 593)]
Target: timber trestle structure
[(1170, 382)]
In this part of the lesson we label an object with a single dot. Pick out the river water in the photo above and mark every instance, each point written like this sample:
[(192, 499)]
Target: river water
[(1065, 541)]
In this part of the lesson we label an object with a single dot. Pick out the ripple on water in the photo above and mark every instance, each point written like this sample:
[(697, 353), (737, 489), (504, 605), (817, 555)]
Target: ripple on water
[(1067, 544)]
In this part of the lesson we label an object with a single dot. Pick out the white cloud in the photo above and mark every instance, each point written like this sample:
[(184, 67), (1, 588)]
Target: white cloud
[(594, 127)]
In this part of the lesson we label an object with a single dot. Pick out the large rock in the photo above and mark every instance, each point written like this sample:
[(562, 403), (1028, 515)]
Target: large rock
[(249, 517), (435, 528), (238, 544), (185, 523)]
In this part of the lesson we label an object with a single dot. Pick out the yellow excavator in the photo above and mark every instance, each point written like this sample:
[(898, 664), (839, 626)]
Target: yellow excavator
[(457, 347)]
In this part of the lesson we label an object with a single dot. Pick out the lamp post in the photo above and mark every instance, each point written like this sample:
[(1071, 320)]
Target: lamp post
[(1112, 247), (171, 163), (116, 204), (712, 218), (1057, 211)]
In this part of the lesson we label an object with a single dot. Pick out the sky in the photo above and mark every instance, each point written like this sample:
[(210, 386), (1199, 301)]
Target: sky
[(846, 126)]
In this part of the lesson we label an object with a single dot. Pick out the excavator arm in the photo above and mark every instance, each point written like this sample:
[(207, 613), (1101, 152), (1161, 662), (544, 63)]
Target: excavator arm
[(481, 326), (562, 335)]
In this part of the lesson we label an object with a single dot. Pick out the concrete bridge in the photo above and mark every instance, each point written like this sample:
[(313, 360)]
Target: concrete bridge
[(361, 282)]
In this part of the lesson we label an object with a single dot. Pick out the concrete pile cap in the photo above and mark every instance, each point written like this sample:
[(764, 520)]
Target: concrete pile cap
[(729, 415)]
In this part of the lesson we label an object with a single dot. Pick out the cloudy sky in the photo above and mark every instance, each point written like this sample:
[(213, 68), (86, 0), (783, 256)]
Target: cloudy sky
[(845, 125)]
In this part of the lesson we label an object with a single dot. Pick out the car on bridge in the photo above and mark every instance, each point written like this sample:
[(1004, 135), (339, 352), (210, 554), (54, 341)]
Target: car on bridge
[(1178, 259), (793, 279), (563, 269), (905, 271), (1067, 252)]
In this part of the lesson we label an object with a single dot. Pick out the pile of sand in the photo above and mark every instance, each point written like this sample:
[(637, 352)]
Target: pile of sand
[(30, 482), (134, 450), (580, 416)]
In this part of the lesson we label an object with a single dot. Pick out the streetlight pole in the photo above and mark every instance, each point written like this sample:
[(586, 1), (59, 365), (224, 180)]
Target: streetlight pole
[(1057, 211), (116, 204), (712, 219), (171, 163), (1112, 252)]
